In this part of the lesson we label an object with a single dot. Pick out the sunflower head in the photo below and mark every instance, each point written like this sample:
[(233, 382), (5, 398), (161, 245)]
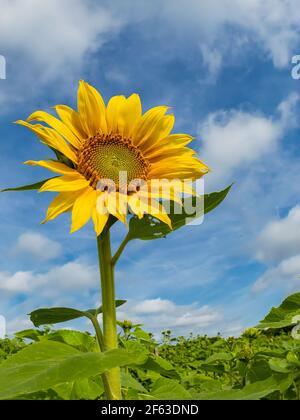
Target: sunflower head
[(115, 159)]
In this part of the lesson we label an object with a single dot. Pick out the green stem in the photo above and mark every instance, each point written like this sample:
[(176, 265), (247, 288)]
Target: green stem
[(120, 250), (99, 337), (98, 332), (110, 338)]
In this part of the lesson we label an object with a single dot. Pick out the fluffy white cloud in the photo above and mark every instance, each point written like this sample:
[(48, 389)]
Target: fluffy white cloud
[(272, 24), (152, 306), (159, 314), (235, 139), (279, 245), (280, 238), (285, 276), (48, 42), (38, 246), (54, 33), (73, 276), (19, 282)]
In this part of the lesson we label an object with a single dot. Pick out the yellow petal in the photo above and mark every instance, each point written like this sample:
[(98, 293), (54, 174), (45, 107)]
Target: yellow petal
[(173, 142), (116, 204), (99, 220), (52, 139), (148, 123), (135, 205), (178, 152), (162, 129), (72, 120), (53, 166), (83, 208), (130, 114), (57, 124), (62, 203), (91, 109), (113, 114), (65, 183), (152, 207)]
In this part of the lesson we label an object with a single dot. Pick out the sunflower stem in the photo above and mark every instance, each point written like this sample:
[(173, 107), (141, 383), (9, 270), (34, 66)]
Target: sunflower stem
[(110, 338), (117, 255), (99, 337)]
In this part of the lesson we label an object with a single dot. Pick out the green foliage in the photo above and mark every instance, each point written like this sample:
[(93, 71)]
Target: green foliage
[(67, 364), (286, 315), (46, 316), (149, 227), (30, 187)]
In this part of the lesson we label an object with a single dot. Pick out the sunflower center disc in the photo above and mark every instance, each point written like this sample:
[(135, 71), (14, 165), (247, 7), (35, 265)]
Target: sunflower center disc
[(103, 157)]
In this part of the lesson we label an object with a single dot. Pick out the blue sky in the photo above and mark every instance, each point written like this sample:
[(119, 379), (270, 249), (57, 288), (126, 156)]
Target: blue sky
[(225, 68)]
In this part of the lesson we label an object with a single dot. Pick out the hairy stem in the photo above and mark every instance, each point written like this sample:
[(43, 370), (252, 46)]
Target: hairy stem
[(99, 337), (120, 250), (110, 338)]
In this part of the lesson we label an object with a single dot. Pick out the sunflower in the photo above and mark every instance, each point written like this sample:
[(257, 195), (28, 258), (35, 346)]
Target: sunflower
[(112, 159)]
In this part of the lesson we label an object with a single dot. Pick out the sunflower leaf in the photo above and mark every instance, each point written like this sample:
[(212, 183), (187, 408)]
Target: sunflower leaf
[(45, 364), (149, 227), (46, 316), (62, 158), (29, 187)]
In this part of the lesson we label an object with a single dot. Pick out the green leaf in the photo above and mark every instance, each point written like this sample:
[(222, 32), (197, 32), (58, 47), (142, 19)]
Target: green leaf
[(167, 389), (81, 341), (46, 316), (45, 364), (30, 334), (279, 365), (254, 391), (149, 227), (284, 315), (62, 158), (219, 356), (129, 381), (213, 200), (83, 389), (161, 366), (30, 187)]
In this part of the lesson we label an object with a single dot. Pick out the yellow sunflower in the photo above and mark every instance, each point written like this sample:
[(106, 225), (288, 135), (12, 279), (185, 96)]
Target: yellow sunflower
[(109, 156)]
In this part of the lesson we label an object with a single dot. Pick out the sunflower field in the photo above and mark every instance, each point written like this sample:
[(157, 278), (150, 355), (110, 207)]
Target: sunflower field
[(48, 364)]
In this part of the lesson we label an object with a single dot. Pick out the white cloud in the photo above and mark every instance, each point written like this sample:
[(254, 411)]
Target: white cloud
[(38, 246), (54, 33), (272, 24), (152, 306), (159, 314), (284, 276), (19, 282), (280, 238), (48, 42), (73, 276), (236, 139)]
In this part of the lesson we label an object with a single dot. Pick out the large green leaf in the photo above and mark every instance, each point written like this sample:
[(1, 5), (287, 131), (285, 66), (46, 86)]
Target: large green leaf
[(159, 365), (46, 316), (45, 364), (254, 391), (83, 389), (283, 316), (129, 381), (167, 389), (80, 340), (149, 227), (29, 187)]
